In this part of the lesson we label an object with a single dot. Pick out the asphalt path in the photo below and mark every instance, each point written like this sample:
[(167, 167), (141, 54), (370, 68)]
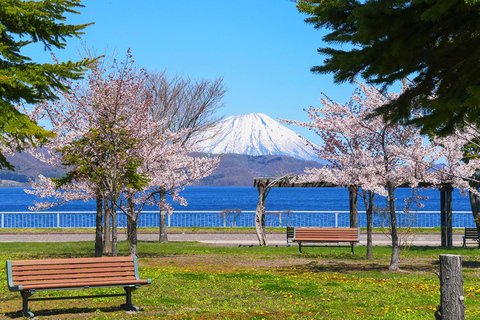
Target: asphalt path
[(225, 239)]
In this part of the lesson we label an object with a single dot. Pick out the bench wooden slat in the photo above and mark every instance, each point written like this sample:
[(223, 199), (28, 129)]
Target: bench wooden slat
[(72, 271), (302, 235), (64, 285), (83, 282), (326, 239), (70, 266), (18, 279), (70, 261), (30, 276), (470, 234)]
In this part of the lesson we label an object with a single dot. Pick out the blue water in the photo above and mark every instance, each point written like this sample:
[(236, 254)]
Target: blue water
[(245, 198)]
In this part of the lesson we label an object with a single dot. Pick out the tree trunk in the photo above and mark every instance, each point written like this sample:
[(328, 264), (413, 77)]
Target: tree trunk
[(368, 199), (353, 206), (395, 260), (107, 244), (99, 227), (452, 300), (162, 234), (114, 230), (132, 240), (132, 225), (475, 204), (260, 217)]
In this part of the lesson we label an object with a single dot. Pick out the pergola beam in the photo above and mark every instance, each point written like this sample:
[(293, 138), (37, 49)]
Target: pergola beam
[(264, 184)]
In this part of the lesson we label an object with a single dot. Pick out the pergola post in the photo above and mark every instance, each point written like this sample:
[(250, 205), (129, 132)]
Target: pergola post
[(443, 217), (446, 215), (449, 217)]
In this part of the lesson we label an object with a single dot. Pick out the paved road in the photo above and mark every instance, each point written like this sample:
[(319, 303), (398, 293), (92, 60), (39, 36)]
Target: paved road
[(230, 239)]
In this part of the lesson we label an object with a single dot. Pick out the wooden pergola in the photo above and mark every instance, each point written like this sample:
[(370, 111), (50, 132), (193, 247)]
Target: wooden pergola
[(264, 185)]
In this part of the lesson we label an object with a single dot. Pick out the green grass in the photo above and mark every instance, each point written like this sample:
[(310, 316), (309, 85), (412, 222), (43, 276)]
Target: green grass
[(198, 281)]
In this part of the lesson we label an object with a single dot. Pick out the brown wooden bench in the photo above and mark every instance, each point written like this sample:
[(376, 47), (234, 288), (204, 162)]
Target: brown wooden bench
[(303, 235), (30, 276), (470, 234)]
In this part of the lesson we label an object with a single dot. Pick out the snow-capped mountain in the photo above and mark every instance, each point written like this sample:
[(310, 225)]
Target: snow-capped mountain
[(254, 134)]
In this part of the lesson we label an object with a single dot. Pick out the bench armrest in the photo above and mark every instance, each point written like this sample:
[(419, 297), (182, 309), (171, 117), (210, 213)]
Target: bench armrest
[(11, 287)]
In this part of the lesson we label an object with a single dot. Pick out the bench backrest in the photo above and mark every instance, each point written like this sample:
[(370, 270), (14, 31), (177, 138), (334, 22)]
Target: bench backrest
[(71, 273), (327, 234), (471, 233)]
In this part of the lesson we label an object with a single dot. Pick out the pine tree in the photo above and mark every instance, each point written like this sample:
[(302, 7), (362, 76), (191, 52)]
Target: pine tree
[(23, 81), (434, 43)]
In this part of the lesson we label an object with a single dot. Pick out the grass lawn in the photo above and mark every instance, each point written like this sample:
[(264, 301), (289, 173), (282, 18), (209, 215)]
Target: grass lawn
[(198, 281)]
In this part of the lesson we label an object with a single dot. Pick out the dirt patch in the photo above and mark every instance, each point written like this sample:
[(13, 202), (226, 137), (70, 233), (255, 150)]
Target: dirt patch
[(221, 263), (232, 263)]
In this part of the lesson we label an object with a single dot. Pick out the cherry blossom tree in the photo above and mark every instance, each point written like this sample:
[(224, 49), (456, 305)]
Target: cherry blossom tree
[(112, 146), (454, 162), (362, 152)]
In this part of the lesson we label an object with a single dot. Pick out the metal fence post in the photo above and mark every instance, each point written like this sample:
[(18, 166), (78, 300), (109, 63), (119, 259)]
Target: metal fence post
[(168, 220), (58, 220), (336, 219), (3, 220), (280, 219)]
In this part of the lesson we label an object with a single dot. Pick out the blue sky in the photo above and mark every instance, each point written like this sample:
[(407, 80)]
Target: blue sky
[(262, 48)]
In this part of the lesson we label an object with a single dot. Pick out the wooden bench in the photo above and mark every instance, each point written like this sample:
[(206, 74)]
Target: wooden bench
[(470, 234), (303, 235), (30, 276)]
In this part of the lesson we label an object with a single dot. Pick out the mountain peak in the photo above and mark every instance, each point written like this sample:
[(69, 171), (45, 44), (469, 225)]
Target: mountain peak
[(254, 134)]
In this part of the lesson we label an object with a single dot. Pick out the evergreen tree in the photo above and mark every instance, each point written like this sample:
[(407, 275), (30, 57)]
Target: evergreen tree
[(433, 43), (22, 81)]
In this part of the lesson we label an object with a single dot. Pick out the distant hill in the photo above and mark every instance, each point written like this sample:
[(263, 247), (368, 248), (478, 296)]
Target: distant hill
[(234, 169), (27, 168), (240, 169)]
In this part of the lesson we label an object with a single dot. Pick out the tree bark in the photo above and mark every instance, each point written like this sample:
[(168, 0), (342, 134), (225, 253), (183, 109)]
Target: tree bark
[(162, 232), (114, 230), (132, 240), (260, 217), (99, 227), (368, 199), (132, 226), (395, 260), (107, 244), (452, 301), (475, 204), (353, 206)]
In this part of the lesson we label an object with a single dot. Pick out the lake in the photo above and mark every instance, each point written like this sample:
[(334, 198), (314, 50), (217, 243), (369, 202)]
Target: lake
[(245, 198), (214, 199)]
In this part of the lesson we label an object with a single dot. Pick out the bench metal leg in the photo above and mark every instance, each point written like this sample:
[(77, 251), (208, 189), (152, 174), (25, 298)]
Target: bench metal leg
[(128, 306), (299, 247), (353, 246), (25, 311)]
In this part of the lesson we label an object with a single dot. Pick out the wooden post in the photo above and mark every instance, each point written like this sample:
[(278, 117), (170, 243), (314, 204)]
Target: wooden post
[(443, 217), (353, 206), (452, 301)]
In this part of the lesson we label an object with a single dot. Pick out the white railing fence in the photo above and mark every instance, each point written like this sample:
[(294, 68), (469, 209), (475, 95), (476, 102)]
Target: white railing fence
[(86, 219)]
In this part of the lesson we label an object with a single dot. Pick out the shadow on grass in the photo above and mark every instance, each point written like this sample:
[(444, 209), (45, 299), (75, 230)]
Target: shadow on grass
[(64, 311)]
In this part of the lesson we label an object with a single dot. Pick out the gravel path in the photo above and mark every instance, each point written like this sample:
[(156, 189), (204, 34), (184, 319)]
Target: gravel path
[(226, 239)]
